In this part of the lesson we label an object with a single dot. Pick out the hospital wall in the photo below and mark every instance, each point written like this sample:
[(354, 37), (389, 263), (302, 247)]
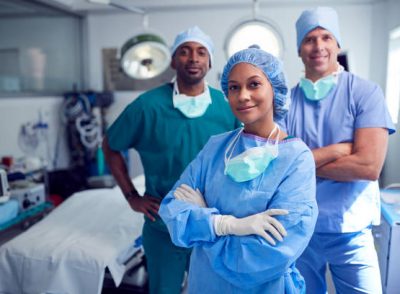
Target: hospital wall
[(112, 30), (364, 38), (386, 19), (17, 111)]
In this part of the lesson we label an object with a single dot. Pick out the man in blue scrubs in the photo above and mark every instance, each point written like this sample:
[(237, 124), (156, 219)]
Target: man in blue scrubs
[(345, 121), (168, 126)]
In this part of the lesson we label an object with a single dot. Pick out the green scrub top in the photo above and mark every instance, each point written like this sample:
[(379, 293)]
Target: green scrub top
[(166, 140)]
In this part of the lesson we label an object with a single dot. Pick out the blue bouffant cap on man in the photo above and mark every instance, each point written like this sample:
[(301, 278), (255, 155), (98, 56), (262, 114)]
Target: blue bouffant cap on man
[(273, 70), (194, 34), (324, 17)]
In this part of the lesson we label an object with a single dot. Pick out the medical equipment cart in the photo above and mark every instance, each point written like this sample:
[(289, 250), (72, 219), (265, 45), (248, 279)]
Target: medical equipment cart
[(23, 221), (387, 242)]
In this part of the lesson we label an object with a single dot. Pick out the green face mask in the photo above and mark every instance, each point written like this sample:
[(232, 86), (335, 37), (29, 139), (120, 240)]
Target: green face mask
[(321, 88), (191, 107), (252, 162), (318, 90)]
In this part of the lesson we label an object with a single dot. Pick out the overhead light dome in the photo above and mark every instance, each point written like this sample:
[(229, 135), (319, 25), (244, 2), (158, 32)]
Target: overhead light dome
[(145, 56)]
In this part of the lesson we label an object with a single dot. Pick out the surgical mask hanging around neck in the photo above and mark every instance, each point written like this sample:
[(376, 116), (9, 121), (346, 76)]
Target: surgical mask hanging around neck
[(253, 162), (321, 88), (191, 107)]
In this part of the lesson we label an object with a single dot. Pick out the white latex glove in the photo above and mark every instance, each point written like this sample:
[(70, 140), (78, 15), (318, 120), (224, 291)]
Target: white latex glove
[(187, 194), (258, 224)]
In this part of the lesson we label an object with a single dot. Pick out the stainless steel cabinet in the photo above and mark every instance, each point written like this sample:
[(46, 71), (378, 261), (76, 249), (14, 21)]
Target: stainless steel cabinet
[(387, 242)]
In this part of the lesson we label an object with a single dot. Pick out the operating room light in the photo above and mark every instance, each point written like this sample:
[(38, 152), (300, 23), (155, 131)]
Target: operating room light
[(145, 56)]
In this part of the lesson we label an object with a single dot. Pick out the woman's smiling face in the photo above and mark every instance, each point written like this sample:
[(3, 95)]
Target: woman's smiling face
[(251, 96)]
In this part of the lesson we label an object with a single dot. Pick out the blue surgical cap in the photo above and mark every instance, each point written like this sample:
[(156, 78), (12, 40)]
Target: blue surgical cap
[(194, 34), (273, 70), (324, 17)]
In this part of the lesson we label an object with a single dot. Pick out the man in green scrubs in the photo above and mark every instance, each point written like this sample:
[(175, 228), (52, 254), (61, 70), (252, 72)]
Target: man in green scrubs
[(168, 126)]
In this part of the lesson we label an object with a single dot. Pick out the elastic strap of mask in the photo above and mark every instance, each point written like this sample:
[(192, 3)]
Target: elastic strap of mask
[(336, 73), (277, 135), (339, 70), (276, 138), (273, 131), (231, 146), (176, 88)]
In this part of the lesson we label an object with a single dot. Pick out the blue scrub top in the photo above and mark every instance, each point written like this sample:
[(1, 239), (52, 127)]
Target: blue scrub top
[(353, 103), (232, 264)]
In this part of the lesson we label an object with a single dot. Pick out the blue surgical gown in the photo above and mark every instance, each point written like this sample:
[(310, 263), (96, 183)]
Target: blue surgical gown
[(237, 264)]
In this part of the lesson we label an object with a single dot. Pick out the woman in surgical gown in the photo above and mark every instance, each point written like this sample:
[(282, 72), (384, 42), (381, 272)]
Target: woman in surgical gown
[(246, 204)]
